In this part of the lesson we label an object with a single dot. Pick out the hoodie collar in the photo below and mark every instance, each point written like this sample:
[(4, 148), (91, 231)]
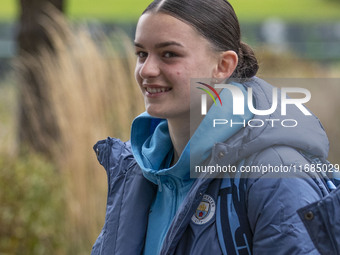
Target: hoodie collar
[(153, 149)]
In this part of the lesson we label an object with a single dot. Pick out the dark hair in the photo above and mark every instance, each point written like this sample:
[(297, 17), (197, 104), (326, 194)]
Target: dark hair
[(217, 22)]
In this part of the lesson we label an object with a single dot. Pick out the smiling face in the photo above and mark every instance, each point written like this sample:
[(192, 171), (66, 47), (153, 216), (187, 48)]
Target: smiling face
[(170, 53)]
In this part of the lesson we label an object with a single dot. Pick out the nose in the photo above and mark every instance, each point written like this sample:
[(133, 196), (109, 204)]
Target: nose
[(149, 68)]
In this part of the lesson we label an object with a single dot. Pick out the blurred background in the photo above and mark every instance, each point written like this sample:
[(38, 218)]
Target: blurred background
[(66, 81)]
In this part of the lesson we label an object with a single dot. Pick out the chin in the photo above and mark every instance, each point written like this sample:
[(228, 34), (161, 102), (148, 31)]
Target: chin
[(157, 114)]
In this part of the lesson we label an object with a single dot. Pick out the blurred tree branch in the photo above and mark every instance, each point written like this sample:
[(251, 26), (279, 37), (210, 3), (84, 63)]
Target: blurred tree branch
[(31, 38)]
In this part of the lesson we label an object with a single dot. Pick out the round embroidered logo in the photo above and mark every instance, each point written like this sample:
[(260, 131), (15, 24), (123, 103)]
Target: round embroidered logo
[(205, 210)]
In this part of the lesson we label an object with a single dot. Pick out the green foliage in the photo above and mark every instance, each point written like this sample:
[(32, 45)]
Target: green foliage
[(288, 10), (31, 206), (117, 10), (247, 10), (8, 10)]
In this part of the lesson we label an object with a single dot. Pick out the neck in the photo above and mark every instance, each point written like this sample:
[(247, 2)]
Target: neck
[(179, 130)]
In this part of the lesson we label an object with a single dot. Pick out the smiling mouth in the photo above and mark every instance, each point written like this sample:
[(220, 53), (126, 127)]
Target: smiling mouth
[(157, 90)]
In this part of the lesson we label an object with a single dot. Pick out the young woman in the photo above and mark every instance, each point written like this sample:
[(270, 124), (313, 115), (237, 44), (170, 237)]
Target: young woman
[(154, 207)]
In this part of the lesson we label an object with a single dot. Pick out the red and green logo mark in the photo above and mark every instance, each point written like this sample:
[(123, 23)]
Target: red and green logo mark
[(209, 93)]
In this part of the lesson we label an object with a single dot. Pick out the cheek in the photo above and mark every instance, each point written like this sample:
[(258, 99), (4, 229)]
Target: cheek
[(181, 80), (184, 77), (137, 76), (202, 67)]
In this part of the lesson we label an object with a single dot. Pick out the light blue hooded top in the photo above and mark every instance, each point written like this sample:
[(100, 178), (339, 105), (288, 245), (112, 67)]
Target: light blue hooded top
[(153, 150)]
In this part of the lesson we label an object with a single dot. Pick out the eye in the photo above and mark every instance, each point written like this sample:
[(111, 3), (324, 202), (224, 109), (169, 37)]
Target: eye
[(169, 54), (141, 54)]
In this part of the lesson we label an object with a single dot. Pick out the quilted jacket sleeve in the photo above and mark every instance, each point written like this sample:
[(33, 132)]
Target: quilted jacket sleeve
[(128, 200), (273, 202), (323, 223)]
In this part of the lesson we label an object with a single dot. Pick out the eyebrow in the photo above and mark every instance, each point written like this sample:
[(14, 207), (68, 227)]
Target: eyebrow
[(160, 45)]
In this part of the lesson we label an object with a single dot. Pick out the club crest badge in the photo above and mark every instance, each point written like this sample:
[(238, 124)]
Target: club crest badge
[(205, 210)]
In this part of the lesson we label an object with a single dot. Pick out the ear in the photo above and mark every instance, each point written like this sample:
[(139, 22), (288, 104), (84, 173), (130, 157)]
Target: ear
[(227, 64)]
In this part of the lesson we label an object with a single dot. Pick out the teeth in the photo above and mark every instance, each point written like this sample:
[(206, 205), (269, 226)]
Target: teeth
[(156, 90)]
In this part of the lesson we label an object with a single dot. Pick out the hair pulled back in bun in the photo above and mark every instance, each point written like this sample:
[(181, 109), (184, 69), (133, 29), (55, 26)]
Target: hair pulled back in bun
[(217, 22)]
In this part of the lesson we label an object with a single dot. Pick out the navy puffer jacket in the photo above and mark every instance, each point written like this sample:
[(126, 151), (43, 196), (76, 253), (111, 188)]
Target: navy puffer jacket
[(270, 202)]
